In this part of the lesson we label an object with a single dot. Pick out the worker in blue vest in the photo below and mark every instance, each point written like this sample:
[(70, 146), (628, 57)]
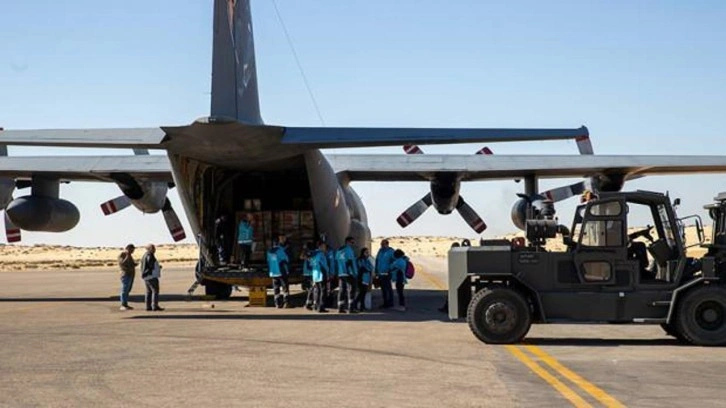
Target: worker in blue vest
[(307, 284), (398, 275), (347, 276), (245, 233), (331, 279), (384, 259), (320, 269), (278, 263), (365, 276)]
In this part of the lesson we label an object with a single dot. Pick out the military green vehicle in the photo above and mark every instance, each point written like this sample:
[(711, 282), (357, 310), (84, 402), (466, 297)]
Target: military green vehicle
[(606, 273)]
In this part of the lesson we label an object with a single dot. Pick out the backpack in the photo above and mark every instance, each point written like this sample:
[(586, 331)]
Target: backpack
[(410, 270)]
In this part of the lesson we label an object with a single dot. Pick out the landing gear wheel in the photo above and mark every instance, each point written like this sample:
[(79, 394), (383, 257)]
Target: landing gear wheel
[(499, 315), (671, 330), (220, 291), (701, 316)]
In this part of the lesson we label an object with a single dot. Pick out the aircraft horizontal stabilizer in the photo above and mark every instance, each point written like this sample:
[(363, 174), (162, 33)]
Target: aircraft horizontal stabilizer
[(332, 137)]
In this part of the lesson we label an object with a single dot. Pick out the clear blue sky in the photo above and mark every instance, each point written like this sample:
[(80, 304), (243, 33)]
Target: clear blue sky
[(645, 77)]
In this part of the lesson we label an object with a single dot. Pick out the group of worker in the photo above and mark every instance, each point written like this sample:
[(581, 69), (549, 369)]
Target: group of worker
[(150, 273), (326, 270)]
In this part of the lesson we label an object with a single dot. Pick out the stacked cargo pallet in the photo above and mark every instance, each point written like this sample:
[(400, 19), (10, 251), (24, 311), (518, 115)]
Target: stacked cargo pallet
[(298, 226)]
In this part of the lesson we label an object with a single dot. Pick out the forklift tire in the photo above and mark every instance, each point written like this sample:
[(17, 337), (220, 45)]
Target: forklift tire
[(220, 291), (701, 316), (499, 315)]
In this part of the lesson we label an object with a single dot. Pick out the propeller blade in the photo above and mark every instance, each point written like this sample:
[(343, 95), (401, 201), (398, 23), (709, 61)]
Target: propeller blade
[(412, 149), (172, 222), (470, 216), (12, 233), (485, 150), (584, 145), (115, 205), (414, 211), (565, 192)]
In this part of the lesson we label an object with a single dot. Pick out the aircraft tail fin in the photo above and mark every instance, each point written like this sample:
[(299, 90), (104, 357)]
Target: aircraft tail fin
[(234, 71)]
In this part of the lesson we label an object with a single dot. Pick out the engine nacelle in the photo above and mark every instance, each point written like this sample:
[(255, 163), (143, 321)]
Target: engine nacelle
[(608, 182), (542, 208), (38, 213), (153, 197), (445, 192)]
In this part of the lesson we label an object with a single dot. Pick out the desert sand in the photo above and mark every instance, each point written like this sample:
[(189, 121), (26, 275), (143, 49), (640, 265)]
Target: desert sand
[(44, 257)]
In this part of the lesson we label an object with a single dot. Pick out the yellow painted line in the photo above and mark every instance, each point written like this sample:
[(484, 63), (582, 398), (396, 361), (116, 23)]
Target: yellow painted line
[(602, 396), (432, 279), (558, 385)]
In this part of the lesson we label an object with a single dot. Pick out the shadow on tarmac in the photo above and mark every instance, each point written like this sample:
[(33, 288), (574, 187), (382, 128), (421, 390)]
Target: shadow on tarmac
[(133, 298), (596, 342)]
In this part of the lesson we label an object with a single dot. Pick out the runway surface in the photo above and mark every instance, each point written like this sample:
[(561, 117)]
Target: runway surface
[(65, 343)]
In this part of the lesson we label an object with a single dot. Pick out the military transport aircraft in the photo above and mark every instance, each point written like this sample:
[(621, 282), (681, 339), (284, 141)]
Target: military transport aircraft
[(218, 161)]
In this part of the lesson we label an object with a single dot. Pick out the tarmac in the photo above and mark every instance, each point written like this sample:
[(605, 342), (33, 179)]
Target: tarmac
[(63, 342)]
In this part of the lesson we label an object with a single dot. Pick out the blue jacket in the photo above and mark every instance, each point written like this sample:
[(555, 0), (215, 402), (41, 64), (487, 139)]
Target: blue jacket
[(277, 261), (345, 259), (398, 269), (319, 266), (245, 232), (332, 271), (307, 267), (365, 269), (384, 259)]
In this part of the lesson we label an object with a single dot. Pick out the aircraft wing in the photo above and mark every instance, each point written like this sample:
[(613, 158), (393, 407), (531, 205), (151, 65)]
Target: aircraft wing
[(132, 138), (420, 167), (87, 168)]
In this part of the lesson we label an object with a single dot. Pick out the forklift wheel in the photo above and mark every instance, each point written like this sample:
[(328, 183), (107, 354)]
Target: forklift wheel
[(701, 317), (499, 315)]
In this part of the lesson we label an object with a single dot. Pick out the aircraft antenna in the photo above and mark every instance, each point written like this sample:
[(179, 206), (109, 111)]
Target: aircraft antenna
[(297, 61)]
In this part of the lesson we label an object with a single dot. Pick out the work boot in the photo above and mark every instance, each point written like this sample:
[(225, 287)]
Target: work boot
[(287, 306), (323, 311), (159, 309), (309, 307), (124, 308)]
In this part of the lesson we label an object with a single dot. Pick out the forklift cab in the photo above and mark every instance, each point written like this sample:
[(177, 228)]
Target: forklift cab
[(606, 253)]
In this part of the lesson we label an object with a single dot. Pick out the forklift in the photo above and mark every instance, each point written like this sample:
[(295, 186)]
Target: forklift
[(606, 273)]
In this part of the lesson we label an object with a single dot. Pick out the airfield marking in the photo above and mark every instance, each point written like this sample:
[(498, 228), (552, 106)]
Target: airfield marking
[(602, 396), (558, 385), (572, 396)]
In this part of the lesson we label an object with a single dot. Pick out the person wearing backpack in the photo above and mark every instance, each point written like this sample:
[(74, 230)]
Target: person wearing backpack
[(277, 262), (384, 259), (320, 269), (398, 275), (347, 276), (365, 272)]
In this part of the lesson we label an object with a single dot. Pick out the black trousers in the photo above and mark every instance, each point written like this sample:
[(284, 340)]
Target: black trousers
[(281, 290), (245, 252), (361, 298), (399, 289), (346, 292), (386, 290), (152, 294), (319, 296), (308, 286)]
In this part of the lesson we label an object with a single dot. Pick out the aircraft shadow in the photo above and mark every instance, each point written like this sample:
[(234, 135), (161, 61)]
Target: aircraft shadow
[(133, 298), (598, 342)]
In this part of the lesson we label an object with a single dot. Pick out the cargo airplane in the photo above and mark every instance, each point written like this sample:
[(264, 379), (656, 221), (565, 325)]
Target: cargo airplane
[(219, 160)]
